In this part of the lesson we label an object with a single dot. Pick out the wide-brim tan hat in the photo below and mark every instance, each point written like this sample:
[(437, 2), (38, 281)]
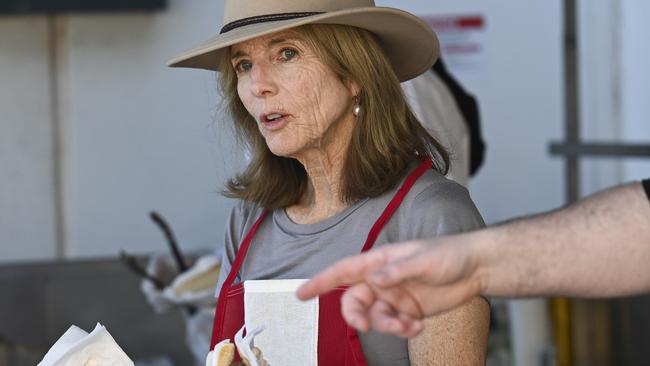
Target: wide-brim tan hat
[(410, 44)]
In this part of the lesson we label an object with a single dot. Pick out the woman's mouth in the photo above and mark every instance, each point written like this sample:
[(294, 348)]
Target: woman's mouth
[(274, 121)]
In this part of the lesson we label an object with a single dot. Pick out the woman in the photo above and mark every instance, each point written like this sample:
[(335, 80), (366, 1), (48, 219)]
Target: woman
[(339, 162)]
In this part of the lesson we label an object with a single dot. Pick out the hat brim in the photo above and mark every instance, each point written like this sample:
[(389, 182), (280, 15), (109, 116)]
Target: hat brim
[(410, 44)]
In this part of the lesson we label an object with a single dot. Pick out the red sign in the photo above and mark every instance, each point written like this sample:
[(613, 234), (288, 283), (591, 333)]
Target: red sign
[(451, 23)]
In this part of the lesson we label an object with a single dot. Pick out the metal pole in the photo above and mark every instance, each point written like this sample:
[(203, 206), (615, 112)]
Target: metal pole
[(561, 308), (572, 99)]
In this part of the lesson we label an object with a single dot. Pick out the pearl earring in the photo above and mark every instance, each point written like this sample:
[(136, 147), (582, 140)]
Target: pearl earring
[(357, 107)]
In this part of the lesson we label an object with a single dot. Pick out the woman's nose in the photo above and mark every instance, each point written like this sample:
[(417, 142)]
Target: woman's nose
[(262, 80)]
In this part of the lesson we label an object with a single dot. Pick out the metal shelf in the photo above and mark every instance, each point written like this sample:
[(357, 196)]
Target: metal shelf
[(602, 150)]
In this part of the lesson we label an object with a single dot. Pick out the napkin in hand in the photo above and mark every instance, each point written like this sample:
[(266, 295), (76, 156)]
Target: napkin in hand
[(291, 334), (77, 347)]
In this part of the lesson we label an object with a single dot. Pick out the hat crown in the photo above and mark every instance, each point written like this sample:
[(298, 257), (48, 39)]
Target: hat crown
[(242, 9)]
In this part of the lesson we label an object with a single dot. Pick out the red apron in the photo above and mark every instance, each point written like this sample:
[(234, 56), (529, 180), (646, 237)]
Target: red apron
[(338, 344)]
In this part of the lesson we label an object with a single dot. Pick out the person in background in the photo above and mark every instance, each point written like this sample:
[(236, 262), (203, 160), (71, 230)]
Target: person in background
[(598, 247), (339, 164), (451, 115)]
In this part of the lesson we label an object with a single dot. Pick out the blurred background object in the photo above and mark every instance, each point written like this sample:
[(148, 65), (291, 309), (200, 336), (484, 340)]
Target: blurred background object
[(95, 132), (38, 300), (50, 7)]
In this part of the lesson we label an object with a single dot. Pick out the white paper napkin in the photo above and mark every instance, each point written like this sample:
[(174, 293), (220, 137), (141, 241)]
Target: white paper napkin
[(290, 336), (77, 347)]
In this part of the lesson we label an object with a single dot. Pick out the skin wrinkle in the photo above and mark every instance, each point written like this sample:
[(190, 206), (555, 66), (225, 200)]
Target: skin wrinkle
[(320, 122)]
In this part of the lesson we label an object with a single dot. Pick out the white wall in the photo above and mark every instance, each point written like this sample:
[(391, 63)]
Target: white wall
[(600, 60), (614, 54), (636, 82), (135, 135), (27, 186), (140, 135)]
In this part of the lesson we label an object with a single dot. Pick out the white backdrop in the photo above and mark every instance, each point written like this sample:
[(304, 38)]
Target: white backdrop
[(138, 136), (27, 207)]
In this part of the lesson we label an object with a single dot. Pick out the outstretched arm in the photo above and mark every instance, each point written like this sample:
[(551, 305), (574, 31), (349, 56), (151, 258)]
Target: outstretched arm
[(598, 247)]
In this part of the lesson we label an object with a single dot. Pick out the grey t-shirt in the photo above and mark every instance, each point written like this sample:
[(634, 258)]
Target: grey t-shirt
[(283, 249)]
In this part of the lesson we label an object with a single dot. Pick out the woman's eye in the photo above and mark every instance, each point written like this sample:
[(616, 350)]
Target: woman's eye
[(288, 54), (243, 66)]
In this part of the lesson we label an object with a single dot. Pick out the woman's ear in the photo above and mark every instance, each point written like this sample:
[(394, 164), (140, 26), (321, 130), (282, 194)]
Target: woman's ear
[(353, 87)]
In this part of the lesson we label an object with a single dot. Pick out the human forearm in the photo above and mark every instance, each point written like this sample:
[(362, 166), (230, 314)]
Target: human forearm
[(597, 247), (457, 337)]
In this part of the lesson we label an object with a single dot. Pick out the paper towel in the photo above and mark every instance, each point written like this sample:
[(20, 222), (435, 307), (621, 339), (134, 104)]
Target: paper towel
[(291, 326)]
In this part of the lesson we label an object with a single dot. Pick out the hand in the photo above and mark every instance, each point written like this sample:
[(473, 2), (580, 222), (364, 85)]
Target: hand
[(394, 287)]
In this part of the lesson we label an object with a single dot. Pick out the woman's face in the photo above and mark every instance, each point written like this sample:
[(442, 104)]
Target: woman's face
[(297, 101)]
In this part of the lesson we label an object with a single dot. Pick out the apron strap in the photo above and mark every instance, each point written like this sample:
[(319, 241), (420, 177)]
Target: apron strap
[(241, 253), (220, 310), (355, 347), (394, 204)]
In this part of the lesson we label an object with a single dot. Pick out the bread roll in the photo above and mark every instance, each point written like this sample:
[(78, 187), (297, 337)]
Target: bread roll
[(222, 354)]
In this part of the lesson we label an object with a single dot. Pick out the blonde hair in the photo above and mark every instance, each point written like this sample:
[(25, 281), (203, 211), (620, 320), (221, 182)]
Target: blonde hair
[(386, 140)]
